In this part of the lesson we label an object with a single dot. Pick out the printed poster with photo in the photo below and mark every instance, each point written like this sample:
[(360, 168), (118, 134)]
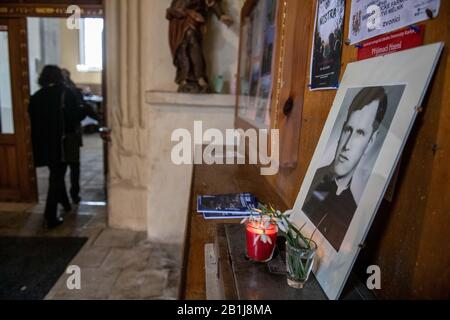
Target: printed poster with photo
[(371, 18), (327, 44)]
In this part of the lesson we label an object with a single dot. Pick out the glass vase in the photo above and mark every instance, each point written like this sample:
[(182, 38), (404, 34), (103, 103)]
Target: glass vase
[(299, 264), (218, 84)]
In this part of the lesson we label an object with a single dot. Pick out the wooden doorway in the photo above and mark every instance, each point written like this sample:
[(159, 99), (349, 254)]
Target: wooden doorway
[(17, 174), (18, 182)]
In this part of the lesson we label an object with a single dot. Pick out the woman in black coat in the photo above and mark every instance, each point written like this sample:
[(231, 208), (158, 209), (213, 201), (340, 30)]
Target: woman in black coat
[(54, 112)]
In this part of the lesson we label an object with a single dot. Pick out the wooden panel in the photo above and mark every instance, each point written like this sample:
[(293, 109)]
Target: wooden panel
[(3, 168), (8, 171), (27, 171), (9, 182), (13, 173), (19, 183), (294, 80), (409, 238), (7, 139), (412, 246)]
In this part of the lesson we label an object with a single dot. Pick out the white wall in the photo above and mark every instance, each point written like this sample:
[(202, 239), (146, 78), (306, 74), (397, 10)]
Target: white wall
[(222, 44), (159, 72), (220, 47), (34, 52), (70, 56), (51, 42), (44, 37), (169, 187), (50, 39)]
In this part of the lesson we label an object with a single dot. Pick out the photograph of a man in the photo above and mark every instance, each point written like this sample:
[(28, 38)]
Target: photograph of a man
[(354, 145)]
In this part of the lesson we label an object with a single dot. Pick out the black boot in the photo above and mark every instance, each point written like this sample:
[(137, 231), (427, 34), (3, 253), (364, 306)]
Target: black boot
[(52, 224)]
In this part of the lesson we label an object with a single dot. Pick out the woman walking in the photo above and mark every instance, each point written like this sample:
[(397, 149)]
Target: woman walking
[(53, 112)]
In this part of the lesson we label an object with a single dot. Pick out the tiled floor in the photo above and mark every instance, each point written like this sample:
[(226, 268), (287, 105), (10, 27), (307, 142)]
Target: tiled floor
[(115, 264)]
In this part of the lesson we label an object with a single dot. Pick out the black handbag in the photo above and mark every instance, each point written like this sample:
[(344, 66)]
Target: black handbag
[(70, 141)]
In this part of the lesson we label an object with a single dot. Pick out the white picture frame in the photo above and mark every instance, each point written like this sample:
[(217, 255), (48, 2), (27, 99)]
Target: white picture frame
[(412, 69)]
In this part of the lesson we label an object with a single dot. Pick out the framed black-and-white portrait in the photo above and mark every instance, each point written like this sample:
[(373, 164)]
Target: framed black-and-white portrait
[(361, 143), (353, 147)]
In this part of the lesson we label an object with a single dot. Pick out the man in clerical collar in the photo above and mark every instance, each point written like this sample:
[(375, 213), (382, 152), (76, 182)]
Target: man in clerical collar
[(330, 203)]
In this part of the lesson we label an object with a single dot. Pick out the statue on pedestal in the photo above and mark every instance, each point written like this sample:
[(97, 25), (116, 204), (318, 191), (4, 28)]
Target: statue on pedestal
[(187, 24)]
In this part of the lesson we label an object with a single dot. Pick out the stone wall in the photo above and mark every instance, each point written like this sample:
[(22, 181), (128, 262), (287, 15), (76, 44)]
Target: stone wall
[(138, 61), (170, 184)]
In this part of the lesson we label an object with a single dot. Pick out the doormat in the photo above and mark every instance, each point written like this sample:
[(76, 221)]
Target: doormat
[(30, 267)]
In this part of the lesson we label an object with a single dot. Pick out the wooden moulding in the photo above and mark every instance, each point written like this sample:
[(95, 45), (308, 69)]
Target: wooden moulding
[(94, 9)]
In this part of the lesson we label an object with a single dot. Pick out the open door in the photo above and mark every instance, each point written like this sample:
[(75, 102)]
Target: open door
[(17, 173)]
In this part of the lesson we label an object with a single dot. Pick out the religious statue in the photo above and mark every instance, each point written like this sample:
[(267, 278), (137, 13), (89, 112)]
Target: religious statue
[(187, 25)]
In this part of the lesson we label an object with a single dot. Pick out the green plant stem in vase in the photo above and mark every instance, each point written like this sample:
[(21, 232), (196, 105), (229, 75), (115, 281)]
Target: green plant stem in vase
[(299, 264)]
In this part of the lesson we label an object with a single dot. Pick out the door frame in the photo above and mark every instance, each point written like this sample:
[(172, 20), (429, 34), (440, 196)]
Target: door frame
[(21, 139), (89, 9), (40, 8)]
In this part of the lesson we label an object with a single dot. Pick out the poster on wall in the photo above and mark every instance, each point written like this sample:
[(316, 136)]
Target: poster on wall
[(371, 18), (327, 44), (400, 40), (357, 154)]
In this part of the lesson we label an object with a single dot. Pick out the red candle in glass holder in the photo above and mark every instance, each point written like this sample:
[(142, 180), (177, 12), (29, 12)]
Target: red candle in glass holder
[(257, 250)]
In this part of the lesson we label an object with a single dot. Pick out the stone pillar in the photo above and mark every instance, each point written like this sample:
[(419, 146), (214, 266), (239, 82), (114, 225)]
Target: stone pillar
[(128, 175)]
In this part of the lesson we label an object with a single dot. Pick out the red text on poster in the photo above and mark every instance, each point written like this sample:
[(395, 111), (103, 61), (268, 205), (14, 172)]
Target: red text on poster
[(392, 42)]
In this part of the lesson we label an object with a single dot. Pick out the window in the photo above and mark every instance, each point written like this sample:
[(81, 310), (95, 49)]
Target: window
[(6, 104), (91, 41)]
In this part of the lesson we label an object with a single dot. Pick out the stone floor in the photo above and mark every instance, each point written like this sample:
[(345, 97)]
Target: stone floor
[(115, 264), (119, 264)]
